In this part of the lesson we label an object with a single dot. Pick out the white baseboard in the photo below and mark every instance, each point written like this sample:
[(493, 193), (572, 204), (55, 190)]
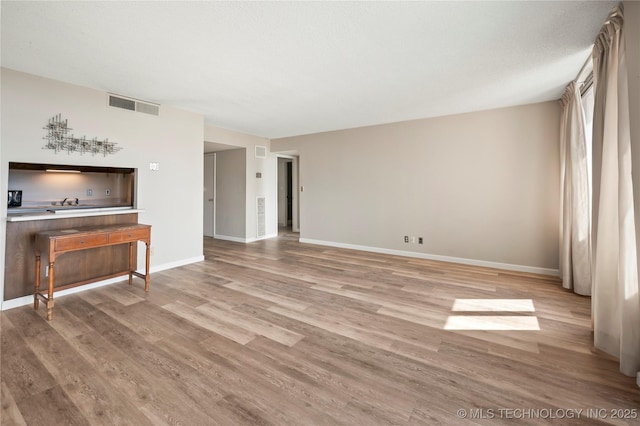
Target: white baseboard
[(171, 265), (243, 240), (473, 262), (27, 300), (228, 238)]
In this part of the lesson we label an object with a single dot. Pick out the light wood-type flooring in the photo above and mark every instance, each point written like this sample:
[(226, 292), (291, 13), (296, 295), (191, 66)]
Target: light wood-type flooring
[(282, 333)]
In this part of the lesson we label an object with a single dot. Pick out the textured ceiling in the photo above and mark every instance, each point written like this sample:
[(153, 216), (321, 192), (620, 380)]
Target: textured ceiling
[(277, 69)]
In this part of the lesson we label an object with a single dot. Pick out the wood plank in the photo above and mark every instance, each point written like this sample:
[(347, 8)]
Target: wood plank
[(148, 391), (22, 372), (53, 408), (75, 375), (252, 325), (270, 296), (10, 414), (226, 329)]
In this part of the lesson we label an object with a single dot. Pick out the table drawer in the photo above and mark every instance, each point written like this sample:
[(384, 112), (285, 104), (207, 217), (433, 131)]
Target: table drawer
[(128, 235), (80, 242)]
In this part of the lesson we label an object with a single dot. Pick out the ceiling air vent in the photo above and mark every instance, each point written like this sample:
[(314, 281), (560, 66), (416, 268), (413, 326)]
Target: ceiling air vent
[(123, 103), (133, 105), (152, 109)]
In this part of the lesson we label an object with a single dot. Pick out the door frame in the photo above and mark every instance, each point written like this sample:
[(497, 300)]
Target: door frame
[(213, 154), (295, 190)]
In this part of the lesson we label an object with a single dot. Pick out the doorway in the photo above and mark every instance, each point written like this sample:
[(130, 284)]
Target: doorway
[(209, 195), (289, 217), (288, 205)]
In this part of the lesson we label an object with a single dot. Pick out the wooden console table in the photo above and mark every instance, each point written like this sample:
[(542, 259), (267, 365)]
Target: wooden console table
[(53, 244)]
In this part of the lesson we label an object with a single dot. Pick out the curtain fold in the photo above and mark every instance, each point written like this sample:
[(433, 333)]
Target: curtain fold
[(616, 298), (575, 215)]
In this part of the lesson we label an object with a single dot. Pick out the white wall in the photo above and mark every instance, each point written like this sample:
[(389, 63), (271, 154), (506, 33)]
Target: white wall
[(231, 203), (171, 197), (481, 186), (264, 186)]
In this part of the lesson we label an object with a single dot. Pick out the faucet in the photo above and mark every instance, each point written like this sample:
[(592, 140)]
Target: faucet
[(75, 201)]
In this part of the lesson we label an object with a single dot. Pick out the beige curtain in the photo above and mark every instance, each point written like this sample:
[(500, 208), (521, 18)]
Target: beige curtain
[(616, 300), (575, 215)]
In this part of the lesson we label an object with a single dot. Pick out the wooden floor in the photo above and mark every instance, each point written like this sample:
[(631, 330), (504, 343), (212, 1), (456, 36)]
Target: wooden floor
[(277, 332)]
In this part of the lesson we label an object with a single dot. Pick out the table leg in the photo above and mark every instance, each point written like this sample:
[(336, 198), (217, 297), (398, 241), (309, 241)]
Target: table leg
[(130, 263), (50, 292), (36, 290), (147, 277)]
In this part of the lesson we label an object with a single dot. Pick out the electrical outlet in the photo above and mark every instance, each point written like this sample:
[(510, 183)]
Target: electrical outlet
[(420, 241), (151, 251), (46, 271), (406, 238), (89, 192), (413, 239), (107, 192)]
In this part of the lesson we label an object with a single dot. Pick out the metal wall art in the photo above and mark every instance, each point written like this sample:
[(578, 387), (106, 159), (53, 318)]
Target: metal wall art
[(59, 140)]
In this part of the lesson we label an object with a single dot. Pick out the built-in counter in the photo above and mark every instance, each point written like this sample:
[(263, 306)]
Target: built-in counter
[(86, 265), (23, 216), (57, 197)]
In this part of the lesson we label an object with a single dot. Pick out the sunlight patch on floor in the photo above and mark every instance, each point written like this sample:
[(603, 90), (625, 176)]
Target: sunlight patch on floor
[(492, 322), (493, 305)]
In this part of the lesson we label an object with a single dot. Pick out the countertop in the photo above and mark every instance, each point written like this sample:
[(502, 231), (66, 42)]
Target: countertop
[(66, 213)]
